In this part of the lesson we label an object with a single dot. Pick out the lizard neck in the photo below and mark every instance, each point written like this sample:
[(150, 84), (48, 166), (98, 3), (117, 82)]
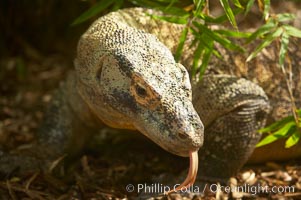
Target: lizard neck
[(102, 110)]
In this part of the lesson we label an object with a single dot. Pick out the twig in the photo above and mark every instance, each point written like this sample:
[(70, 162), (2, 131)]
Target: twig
[(274, 181), (32, 178), (56, 162), (10, 191), (292, 194), (86, 167), (289, 85), (30, 193)]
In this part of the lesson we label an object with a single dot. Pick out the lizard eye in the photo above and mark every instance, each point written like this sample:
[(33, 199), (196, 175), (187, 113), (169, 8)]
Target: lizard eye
[(141, 91)]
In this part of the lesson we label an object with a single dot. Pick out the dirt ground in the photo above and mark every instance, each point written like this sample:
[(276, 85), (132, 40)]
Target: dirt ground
[(37, 53)]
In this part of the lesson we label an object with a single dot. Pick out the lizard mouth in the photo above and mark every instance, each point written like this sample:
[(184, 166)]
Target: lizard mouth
[(192, 173)]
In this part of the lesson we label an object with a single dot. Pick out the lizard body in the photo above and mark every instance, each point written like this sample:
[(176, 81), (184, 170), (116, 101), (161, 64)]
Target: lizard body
[(126, 77)]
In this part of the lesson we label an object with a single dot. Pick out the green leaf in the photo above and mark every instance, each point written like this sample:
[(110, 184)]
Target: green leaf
[(181, 44), (276, 125), (282, 132), (199, 6), (117, 5), (286, 127), (237, 4), (216, 37), (217, 20), (194, 41), (293, 139), (172, 19), (283, 48), (284, 17), (166, 6), (168, 1), (176, 11), (229, 12), (200, 36), (292, 31), (203, 52), (249, 6), (171, 3), (96, 9), (268, 27), (234, 34), (217, 54), (196, 58), (205, 59), (267, 140), (209, 19), (206, 48), (265, 43), (150, 4), (267, 5), (203, 38)]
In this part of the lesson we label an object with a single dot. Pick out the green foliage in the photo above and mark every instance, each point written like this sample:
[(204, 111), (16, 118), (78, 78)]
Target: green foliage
[(285, 128), (195, 16), (229, 12), (249, 6), (97, 8), (266, 9), (181, 44), (276, 29), (197, 20), (273, 30), (21, 68), (195, 13)]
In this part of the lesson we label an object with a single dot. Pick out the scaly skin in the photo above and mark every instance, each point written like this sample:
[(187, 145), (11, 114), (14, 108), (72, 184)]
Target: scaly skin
[(131, 80), (126, 77)]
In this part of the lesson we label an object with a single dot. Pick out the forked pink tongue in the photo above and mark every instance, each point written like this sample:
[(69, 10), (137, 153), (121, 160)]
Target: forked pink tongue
[(192, 173)]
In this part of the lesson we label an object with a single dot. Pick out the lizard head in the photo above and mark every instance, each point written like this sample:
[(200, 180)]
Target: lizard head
[(136, 84)]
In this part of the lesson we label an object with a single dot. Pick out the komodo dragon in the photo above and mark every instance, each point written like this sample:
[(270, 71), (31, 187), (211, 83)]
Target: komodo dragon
[(126, 77)]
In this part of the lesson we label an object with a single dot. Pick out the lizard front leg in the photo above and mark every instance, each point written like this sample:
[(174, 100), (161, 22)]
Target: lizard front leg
[(232, 110)]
